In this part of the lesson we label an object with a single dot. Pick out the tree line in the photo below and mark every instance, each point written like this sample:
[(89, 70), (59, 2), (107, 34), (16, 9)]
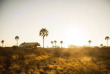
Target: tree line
[(44, 33)]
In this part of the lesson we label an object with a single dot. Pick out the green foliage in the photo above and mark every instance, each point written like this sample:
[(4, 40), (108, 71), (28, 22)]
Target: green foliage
[(84, 60)]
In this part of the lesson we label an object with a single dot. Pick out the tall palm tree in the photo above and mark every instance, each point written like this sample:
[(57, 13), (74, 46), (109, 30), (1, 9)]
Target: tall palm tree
[(17, 38), (89, 42), (107, 38), (55, 43), (52, 43), (61, 43), (2, 42), (43, 32)]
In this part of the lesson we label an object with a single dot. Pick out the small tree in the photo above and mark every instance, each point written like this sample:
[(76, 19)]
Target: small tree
[(55, 43), (89, 42), (107, 38), (43, 32), (101, 45), (2, 42), (61, 43), (17, 38)]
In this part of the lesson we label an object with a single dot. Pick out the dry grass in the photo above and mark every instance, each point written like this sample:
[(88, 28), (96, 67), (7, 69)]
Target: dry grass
[(82, 60)]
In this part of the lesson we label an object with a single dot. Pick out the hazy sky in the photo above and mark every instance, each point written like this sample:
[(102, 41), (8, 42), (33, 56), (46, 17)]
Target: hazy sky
[(73, 21)]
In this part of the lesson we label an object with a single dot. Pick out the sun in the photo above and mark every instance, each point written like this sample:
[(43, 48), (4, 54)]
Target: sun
[(75, 37)]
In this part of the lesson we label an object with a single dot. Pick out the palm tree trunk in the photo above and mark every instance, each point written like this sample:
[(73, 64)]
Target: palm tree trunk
[(17, 42), (2, 44), (55, 45), (43, 42), (107, 43), (61, 45), (52, 45)]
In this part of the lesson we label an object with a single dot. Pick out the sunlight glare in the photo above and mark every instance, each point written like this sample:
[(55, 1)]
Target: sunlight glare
[(75, 37)]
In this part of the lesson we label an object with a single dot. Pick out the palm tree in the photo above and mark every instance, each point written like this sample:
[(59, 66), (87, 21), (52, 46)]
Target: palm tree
[(101, 45), (61, 43), (52, 43), (17, 38), (55, 43), (2, 42), (43, 32), (89, 42), (107, 38)]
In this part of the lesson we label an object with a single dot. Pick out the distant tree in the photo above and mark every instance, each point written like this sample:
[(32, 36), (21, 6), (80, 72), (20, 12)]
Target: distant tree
[(55, 43), (2, 42), (43, 32), (17, 38), (89, 42), (61, 43), (52, 43), (107, 38), (101, 45)]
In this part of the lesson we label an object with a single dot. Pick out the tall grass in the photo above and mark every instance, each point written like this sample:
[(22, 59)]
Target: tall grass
[(82, 60)]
